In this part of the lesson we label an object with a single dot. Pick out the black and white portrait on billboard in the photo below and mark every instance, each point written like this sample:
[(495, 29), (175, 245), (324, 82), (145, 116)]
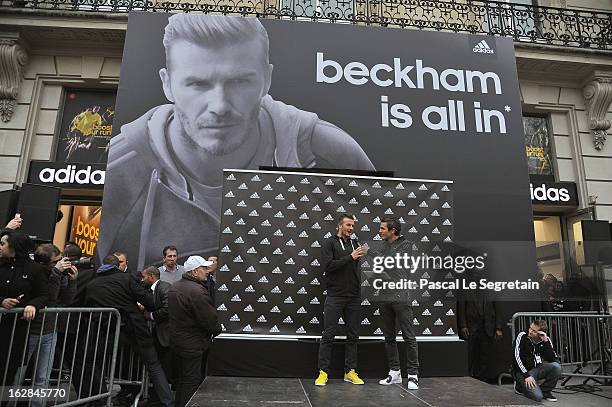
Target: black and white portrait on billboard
[(165, 168)]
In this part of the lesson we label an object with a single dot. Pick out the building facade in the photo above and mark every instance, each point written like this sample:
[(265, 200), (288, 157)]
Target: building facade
[(57, 54)]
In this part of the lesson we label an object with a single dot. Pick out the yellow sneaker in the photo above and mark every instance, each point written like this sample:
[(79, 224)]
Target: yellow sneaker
[(352, 377), (322, 379)]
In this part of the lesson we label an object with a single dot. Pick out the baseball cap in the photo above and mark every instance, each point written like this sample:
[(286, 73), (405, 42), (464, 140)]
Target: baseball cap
[(193, 262)]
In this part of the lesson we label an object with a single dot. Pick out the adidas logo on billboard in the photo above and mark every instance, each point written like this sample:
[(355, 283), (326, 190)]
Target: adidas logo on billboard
[(265, 241), (415, 322), (243, 186), (340, 321), (280, 179), (426, 331), (290, 243), (249, 289), (302, 310), (241, 204), (450, 312), (222, 288), (365, 322), (315, 263), (248, 308), (226, 249), (253, 213), (315, 282), (277, 270), (292, 189), (228, 212), (235, 318), (288, 320), (438, 304), (237, 279), (247, 329), (275, 310), (483, 48), (289, 300), (239, 240), (256, 178), (304, 199), (276, 290), (300, 330), (377, 312), (317, 190), (263, 280), (438, 322), (376, 185), (262, 299), (277, 251), (302, 291), (274, 330), (315, 301), (266, 205), (289, 281), (251, 269), (303, 234), (353, 201), (264, 261), (450, 331), (231, 177), (315, 244), (262, 319), (400, 203), (303, 272), (303, 253), (236, 298), (252, 251), (230, 194), (329, 182), (378, 331), (222, 307), (305, 181), (314, 321)]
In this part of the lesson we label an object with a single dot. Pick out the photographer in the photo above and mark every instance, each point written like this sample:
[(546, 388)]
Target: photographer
[(23, 283), (535, 361), (61, 278)]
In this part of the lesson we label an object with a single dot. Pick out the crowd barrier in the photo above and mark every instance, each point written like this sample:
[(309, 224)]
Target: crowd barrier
[(70, 356), (582, 341)]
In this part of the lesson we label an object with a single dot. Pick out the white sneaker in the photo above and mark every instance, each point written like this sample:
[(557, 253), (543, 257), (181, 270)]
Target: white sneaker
[(394, 377), (413, 382)]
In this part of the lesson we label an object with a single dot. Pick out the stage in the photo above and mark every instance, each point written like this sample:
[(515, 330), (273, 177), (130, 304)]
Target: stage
[(218, 391)]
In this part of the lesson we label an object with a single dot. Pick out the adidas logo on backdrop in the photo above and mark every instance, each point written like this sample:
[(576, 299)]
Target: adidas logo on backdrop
[(483, 48)]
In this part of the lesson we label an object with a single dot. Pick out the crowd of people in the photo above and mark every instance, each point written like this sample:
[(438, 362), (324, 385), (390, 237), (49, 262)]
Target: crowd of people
[(169, 319), (152, 303)]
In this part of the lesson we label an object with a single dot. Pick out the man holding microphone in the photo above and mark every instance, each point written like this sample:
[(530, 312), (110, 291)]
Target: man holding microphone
[(340, 261)]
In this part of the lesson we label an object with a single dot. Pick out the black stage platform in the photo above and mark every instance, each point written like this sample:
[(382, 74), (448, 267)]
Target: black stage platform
[(298, 358), (218, 391)]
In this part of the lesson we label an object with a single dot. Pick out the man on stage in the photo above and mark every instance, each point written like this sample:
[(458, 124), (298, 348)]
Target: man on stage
[(396, 307), (340, 259)]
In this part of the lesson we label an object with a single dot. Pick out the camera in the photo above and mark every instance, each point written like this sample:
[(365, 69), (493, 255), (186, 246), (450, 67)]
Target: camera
[(82, 263)]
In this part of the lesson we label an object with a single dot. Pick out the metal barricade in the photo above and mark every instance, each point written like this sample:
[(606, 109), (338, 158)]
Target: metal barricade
[(65, 357), (582, 341)]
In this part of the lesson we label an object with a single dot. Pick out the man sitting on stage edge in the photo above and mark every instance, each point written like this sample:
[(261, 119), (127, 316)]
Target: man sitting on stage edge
[(535, 360), (340, 259)]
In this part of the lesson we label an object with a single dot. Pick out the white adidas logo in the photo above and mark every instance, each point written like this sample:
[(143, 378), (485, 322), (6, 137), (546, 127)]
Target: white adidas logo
[(483, 47)]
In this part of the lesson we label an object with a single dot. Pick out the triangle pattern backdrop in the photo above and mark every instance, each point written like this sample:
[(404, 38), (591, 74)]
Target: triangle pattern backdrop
[(270, 280)]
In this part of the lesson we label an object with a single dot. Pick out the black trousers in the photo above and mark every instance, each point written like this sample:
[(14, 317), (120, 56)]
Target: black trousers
[(480, 353), (396, 314), (189, 375), (349, 308)]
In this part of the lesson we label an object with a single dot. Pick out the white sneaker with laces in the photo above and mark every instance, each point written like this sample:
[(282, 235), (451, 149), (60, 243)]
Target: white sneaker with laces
[(394, 377), (413, 382)]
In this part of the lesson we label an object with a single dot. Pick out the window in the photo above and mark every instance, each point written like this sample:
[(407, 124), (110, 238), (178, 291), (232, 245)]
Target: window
[(537, 145)]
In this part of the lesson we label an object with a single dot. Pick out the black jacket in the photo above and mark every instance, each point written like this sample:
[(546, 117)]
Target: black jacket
[(478, 313), (341, 271), (193, 319), (24, 276), (391, 249), (160, 315), (114, 289), (528, 354)]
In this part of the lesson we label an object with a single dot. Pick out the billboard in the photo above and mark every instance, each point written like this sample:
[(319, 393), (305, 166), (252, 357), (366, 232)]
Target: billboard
[(87, 125), (209, 93)]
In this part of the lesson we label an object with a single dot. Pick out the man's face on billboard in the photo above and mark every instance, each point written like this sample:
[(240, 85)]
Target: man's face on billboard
[(217, 91)]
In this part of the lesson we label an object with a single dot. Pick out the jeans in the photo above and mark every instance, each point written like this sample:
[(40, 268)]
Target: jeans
[(349, 308), (400, 312), (189, 375), (547, 372), (43, 360)]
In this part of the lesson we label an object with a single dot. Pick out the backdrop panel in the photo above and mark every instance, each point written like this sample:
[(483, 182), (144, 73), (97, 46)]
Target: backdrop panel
[(271, 280)]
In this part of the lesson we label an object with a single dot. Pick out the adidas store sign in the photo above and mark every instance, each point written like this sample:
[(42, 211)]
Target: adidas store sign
[(553, 193), (64, 176)]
